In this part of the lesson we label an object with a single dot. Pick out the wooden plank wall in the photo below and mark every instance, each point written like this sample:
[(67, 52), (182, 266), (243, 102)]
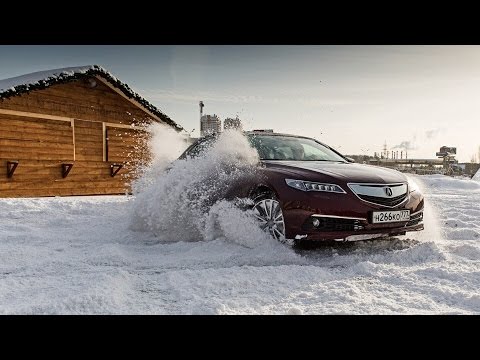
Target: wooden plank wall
[(88, 141), (78, 100), (128, 145), (26, 138), (42, 145)]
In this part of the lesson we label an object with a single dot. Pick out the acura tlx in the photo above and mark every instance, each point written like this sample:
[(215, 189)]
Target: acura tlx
[(306, 190)]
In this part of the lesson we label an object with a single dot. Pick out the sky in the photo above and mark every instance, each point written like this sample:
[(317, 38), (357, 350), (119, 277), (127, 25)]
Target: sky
[(353, 98)]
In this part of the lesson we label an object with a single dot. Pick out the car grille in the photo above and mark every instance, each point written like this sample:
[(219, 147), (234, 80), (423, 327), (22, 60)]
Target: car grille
[(384, 201), (389, 195)]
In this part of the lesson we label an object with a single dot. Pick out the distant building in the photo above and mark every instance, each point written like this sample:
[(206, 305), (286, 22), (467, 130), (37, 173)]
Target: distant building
[(447, 151), (210, 124), (445, 164), (230, 123)]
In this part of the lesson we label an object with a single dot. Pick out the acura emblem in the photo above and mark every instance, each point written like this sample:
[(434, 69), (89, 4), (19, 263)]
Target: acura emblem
[(388, 191)]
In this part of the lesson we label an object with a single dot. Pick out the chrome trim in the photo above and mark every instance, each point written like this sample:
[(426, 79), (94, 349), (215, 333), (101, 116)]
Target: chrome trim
[(407, 197), (364, 237), (415, 213), (378, 190), (377, 184), (339, 217)]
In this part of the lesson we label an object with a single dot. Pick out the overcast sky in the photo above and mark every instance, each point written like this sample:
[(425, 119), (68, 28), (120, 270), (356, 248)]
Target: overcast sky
[(354, 98)]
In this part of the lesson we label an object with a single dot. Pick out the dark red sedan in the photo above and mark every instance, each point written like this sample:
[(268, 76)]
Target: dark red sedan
[(305, 190)]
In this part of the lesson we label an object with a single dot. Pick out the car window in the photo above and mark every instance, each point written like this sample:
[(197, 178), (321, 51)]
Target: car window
[(292, 148), (314, 153), (200, 147)]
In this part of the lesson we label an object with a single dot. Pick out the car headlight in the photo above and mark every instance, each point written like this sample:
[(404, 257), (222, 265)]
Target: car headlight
[(412, 186), (314, 186)]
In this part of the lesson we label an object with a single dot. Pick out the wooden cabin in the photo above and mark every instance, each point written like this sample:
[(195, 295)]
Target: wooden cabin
[(72, 131)]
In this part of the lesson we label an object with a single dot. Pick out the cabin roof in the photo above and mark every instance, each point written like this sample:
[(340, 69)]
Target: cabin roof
[(43, 79)]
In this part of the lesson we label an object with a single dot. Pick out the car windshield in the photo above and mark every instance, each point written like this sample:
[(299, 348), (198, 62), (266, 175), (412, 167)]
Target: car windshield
[(292, 148)]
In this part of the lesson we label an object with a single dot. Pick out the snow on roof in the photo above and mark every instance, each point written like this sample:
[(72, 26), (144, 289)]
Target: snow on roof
[(40, 76), (43, 79)]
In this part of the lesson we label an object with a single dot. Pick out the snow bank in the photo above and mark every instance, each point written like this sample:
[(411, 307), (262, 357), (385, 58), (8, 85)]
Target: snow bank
[(457, 205), (447, 183)]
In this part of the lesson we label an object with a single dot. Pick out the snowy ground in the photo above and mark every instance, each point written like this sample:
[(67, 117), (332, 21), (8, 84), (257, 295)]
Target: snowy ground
[(79, 255), (167, 250)]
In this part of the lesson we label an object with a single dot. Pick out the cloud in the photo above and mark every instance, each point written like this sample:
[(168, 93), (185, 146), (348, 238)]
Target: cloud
[(224, 97), (189, 97), (431, 134)]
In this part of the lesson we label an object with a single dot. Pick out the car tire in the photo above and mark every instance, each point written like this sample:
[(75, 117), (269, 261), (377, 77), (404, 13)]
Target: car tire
[(268, 211)]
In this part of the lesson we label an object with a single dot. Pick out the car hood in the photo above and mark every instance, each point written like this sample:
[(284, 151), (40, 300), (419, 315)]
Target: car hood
[(346, 172)]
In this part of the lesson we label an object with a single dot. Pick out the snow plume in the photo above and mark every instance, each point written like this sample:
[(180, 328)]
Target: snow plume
[(184, 202), (165, 146)]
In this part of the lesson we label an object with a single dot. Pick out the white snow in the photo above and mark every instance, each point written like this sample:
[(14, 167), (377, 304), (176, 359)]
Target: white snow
[(476, 177), (175, 201), (36, 77), (131, 255)]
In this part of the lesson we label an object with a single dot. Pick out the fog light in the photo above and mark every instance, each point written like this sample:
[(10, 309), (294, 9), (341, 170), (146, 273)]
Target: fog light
[(316, 222)]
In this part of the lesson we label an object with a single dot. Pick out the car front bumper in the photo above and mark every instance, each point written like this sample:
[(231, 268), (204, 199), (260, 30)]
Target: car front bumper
[(346, 218), (356, 235)]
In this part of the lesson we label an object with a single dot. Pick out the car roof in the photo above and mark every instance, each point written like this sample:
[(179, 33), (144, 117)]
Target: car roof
[(269, 133), (258, 132)]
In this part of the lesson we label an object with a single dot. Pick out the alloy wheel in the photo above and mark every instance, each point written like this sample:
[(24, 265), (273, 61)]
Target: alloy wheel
[(269, 214)]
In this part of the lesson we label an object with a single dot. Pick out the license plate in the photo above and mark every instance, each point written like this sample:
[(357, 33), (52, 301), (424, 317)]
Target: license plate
[(390, 216)]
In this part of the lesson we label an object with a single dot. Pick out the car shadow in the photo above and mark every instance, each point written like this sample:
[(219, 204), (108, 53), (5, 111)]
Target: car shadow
[(348, 247)]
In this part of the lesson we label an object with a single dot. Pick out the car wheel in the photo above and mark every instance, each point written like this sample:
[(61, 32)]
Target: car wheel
[(268, 212)]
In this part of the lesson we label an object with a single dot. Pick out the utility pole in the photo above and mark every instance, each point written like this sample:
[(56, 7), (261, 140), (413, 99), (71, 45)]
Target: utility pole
[(201, 114), (201, 109)]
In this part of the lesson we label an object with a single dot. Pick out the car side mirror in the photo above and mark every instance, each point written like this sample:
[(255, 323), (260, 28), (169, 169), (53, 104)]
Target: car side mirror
[(349, 159)]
